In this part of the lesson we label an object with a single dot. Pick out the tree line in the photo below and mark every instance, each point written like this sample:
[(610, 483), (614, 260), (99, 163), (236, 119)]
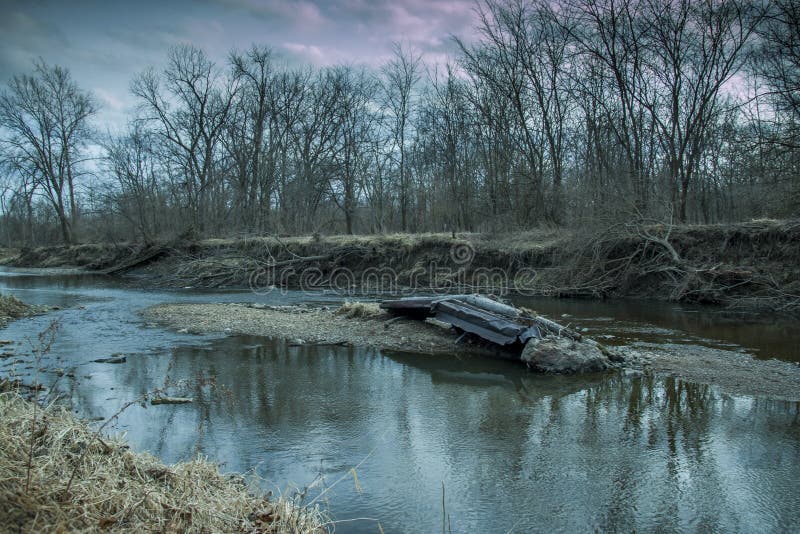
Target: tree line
[(562, 112)]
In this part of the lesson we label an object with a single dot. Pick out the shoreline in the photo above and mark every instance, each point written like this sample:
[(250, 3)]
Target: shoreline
[(744, 267), (733, 372), (47, 451), (39, 438), (302, 325)]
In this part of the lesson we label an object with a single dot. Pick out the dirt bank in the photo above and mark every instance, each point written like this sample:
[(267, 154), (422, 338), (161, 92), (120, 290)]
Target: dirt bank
[(752, 266), (57, 475), (733, 372)]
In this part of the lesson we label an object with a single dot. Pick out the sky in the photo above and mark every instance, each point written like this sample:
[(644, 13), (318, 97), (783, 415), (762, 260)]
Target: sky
[(105, 44)]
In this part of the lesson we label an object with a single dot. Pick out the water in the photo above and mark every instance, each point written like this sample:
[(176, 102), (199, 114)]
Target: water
[(513, 450)]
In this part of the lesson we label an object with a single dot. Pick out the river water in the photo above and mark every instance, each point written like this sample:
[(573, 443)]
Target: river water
[(483, 444)]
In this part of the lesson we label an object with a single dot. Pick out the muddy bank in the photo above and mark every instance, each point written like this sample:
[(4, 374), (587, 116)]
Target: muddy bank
[(365, 325), (58, 475), (302, 324), (749, 266), (734, 372)]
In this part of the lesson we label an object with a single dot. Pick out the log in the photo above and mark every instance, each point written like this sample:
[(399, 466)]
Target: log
[(170, 400), (112, 359), (293, 261), (135, 262)]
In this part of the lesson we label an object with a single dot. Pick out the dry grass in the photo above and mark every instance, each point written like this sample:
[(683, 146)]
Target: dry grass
[(12, 308), (116, 489), (359, 310)]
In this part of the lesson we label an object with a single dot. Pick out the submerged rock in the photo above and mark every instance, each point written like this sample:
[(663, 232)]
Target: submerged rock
[(565, 356)]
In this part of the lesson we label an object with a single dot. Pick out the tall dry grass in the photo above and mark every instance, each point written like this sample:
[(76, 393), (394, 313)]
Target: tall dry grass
[(113, 488)]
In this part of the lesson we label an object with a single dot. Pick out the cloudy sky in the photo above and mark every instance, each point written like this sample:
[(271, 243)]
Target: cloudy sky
[(105, 43)]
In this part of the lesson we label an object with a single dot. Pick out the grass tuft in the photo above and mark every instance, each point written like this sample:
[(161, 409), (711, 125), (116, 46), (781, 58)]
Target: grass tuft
[(12, 308), (359, 310), (117, 489)]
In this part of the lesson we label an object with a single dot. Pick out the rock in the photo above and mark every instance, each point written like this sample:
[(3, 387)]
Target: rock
[(5, 342), (565, 356), (170, 400), (113, 359)]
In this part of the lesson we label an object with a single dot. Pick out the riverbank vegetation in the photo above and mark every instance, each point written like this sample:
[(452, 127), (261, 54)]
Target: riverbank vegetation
[(58, 475), (576, 114), (747, 266)]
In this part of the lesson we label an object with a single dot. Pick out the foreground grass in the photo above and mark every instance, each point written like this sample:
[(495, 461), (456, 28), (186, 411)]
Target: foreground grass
[(57, 475)]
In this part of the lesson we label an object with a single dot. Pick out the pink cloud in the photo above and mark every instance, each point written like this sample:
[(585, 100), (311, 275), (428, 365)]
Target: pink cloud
[(312, 53)]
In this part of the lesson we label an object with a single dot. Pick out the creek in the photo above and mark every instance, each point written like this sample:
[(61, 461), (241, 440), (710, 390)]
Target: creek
[(513, 450)]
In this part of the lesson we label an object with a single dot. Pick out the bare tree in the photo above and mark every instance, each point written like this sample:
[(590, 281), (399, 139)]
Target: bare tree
[(401, 74), (249, 140), (777, 64), (356, 91), (46, 116), (189, 113), (131, 159), (694, 50), (525, 59), (610, 35)]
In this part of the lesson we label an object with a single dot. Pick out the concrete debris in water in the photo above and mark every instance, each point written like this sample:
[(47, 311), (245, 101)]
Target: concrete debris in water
[(542, 344), (564, 355)]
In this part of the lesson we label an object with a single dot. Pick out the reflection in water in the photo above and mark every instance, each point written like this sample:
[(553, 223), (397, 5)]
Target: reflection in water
[(602, 452), (626, 321), (514, 449)]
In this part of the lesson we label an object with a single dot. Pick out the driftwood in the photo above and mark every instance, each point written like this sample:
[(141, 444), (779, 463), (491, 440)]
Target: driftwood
[(294, 261), (137, 261), (112, 359), (170, 400), (556, 329)]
